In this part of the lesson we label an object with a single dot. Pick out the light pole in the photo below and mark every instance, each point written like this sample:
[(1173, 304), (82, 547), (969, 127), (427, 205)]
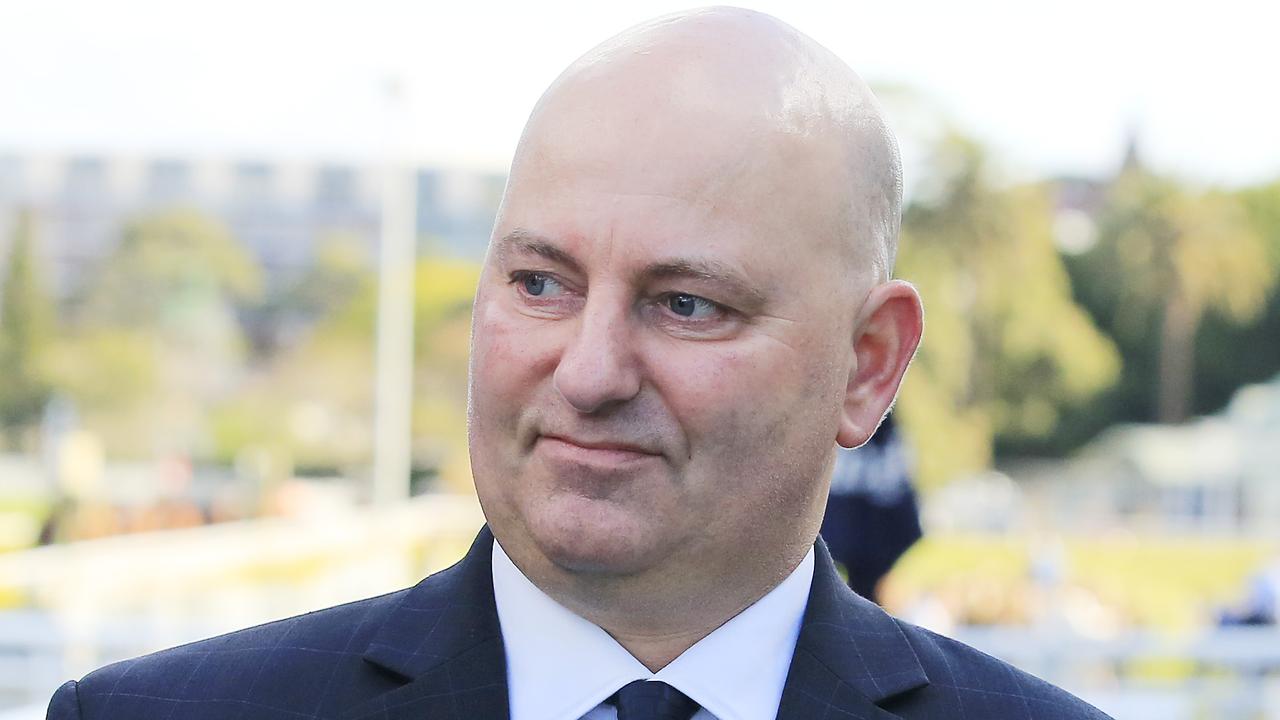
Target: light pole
[(393, 378)]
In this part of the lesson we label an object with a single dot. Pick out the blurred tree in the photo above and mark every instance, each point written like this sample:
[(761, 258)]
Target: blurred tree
[(314, 403), (340, 269), (165, 264), (27, 325), (1006, 348), (1221, 366), (105, 369), (1165, 257), (1262, 207), (156, 337), (442, 345)]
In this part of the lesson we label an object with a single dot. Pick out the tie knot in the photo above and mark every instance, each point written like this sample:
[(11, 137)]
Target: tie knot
[(652, 700)]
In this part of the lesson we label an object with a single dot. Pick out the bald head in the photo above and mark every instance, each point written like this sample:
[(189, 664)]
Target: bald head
[(735, 109)]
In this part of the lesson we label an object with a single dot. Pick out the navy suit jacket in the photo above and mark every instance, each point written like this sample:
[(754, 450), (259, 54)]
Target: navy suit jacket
[(434, 652)]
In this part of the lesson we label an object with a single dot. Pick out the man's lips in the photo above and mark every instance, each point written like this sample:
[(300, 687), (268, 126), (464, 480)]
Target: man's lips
[(600, 444), (593, 452)]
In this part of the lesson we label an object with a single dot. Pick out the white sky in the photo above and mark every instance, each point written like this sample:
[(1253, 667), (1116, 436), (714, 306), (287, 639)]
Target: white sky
[(1052, 86)]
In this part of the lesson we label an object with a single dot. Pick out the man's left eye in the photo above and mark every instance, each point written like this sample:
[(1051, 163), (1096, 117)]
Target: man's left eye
[(691, 306)]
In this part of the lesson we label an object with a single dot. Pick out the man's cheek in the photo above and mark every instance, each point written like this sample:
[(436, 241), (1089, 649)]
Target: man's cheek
[(495, 396), (723, 396), (516, 346), (497, 347)]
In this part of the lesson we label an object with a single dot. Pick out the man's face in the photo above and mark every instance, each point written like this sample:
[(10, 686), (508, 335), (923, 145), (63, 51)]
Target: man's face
[(659, 355)]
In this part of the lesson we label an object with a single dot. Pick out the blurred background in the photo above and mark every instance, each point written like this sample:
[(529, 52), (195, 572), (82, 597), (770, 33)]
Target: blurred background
[(238, 243)]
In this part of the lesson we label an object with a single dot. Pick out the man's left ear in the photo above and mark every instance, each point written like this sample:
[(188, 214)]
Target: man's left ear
[(884, 342)]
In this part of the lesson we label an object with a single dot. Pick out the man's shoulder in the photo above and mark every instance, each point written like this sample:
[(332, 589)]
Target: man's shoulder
[(975, 684), (317, 665), (329, 630), (279, 665)]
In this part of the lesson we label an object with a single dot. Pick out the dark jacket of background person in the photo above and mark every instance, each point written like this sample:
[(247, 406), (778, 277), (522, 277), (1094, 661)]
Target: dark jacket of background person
[(434, 652), (872, 517)]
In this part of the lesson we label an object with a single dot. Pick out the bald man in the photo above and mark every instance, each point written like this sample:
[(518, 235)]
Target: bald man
[(686, 306)]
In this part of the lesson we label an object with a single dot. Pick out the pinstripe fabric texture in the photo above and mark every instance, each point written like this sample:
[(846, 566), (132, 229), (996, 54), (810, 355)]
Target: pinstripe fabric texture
[(434, 652)]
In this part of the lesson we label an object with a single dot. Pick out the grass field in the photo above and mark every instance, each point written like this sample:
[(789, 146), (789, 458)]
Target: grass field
[(1164, 583)]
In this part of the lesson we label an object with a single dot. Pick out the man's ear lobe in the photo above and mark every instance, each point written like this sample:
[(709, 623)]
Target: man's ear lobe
[(892, 320)]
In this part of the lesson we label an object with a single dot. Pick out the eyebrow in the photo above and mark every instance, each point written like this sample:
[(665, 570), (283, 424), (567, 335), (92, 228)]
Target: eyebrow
[(700, 269), (710, 271), (521, 240)]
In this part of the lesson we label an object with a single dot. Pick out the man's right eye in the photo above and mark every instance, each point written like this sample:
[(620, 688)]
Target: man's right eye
[(537, 284)]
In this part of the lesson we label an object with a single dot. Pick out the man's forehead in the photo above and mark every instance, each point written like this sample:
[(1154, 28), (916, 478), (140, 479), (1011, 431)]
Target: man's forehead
[(684, 194), (725, 111), (692, 157)]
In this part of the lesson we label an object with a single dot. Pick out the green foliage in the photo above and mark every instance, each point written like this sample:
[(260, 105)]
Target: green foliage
[(166, 264), (1167, 257), (1006, 348), (1262, 207), (314, 402), (27, 326), (106, 368), (442, 288), (156, 339), (341, 269), (1230, 353), (1164, 240)]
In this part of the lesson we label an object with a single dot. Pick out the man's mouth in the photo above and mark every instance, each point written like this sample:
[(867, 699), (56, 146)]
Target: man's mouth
[(602, 453)]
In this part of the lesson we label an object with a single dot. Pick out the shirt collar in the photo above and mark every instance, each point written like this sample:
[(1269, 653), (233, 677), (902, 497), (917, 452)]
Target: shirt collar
[(559, 665)]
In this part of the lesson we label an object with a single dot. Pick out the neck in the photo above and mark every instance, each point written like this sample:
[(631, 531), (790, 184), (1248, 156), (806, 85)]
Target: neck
[(657, 616), (656, 652)]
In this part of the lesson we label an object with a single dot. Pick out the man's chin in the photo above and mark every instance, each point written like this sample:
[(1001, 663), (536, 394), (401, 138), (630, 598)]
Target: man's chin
[(605, 542), (594, 562)]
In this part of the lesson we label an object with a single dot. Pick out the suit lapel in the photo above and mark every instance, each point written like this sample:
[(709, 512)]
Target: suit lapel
[(444, 644), (851, 655)]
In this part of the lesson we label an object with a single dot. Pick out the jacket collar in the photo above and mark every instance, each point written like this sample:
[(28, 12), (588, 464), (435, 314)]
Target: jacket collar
[(444, 640), (851, 655)]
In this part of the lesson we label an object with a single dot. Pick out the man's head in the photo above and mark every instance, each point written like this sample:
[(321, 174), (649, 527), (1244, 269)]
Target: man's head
[(686, 305)]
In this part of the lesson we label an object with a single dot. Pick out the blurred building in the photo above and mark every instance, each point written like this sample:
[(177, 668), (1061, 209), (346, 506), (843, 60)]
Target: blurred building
[(281, 210), (1218, 474)]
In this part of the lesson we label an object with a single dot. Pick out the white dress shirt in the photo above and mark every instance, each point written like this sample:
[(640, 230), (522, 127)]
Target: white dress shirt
[(562, 667)]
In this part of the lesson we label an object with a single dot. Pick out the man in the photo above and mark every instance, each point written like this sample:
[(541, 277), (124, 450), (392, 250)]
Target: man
[(685, 306)]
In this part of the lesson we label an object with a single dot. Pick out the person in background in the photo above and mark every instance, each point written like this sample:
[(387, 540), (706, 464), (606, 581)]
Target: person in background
[(872, 517), (1261, 603)]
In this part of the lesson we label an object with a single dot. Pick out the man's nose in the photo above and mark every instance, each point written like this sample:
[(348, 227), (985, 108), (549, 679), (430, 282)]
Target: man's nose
[(598, 368)]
